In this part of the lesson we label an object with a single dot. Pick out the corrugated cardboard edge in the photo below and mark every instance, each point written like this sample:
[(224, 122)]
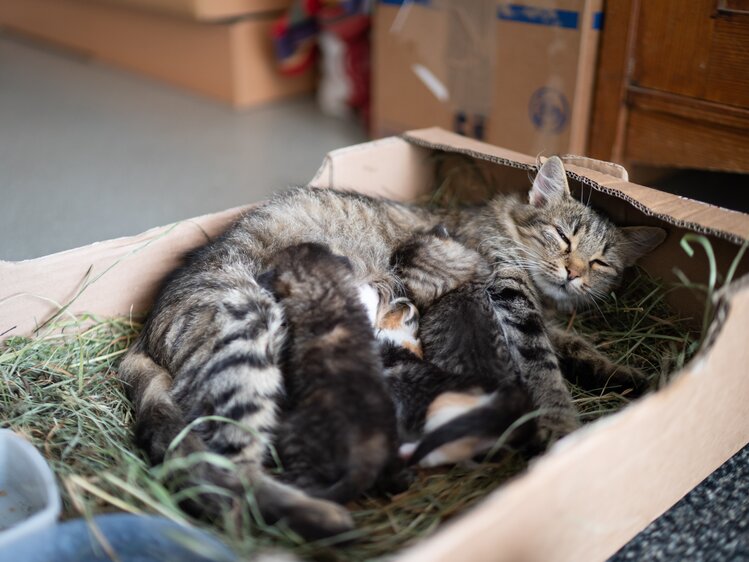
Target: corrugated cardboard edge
[(608, 168), (678, 211)]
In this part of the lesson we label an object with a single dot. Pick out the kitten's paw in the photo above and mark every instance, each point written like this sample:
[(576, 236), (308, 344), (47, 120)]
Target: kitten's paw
[(406, 450), (318, 519), (399, 324)]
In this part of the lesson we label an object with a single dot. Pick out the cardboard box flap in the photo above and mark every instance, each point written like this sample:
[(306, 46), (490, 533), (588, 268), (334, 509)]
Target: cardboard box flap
[(608, 168), (678, 211), (650, 453), (405, 176), (106, 278)]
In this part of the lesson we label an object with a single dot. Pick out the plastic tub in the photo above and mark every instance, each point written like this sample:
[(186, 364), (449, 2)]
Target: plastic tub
[(29, 498)]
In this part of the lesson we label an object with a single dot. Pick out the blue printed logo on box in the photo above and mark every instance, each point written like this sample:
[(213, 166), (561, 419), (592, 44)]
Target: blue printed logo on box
[(549, 110)]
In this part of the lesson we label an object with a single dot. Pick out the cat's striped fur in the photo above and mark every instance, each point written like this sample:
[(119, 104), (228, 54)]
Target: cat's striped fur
[(212, 342)]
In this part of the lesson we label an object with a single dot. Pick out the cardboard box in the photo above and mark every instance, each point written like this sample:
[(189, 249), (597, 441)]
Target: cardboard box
[(231, 61), (206, 10), (596, 488), (518, 75)]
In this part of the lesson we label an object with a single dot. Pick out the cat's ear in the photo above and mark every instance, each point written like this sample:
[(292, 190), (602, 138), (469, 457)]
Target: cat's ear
[(640, 240), (550, 184)]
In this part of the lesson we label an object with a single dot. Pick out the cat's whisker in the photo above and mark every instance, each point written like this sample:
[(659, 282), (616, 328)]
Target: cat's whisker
[(597, 293), (593, 301)]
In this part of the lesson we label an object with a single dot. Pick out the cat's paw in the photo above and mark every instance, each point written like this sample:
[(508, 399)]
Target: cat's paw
[(553, 426)]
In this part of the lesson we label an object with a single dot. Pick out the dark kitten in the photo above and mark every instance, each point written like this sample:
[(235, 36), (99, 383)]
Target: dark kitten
[(466, 393), (338, 431)]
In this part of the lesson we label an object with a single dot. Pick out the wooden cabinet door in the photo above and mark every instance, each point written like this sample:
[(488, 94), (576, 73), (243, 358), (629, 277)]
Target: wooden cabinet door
[(693, 49), (673, 85)]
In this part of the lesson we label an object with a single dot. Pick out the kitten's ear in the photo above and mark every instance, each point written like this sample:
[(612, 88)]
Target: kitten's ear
[(640, 240), (550, 184), (267, 280), (344, 261), (440, 231)]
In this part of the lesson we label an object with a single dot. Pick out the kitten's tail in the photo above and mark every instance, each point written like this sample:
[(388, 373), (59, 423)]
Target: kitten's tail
[(216, 491), (477, 430)]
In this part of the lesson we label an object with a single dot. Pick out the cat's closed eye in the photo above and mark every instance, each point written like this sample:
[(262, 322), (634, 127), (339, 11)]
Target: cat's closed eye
[(600, 263), (564, 238)]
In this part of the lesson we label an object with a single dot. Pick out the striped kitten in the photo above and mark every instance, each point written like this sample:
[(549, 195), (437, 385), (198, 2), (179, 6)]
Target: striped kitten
[(338, 431), (213, 339)]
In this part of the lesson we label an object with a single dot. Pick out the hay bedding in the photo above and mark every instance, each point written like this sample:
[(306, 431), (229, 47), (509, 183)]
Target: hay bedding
[(60, 391)]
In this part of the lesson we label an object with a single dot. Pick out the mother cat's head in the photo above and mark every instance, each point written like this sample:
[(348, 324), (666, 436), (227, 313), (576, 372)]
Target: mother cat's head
[(573, 253)]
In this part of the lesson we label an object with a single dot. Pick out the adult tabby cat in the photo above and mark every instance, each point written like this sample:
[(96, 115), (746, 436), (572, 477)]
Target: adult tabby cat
[(212, 342)]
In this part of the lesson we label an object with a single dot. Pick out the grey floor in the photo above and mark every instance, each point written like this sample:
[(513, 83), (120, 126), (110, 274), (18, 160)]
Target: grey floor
[(88, 152)]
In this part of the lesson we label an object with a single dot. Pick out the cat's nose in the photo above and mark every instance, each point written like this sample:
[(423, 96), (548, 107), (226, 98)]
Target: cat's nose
[(572, 273)]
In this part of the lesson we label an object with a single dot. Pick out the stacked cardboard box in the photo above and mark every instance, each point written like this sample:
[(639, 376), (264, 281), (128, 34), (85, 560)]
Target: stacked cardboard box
[(515, 74), (219, 48), (206, 10)]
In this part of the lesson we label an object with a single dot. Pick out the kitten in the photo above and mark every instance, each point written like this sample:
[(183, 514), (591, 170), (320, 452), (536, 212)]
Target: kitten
[(212, 341), (338, 431), (468, 387)]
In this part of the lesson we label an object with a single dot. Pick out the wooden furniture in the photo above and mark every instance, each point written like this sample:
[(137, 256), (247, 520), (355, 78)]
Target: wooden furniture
[(673, 84)]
